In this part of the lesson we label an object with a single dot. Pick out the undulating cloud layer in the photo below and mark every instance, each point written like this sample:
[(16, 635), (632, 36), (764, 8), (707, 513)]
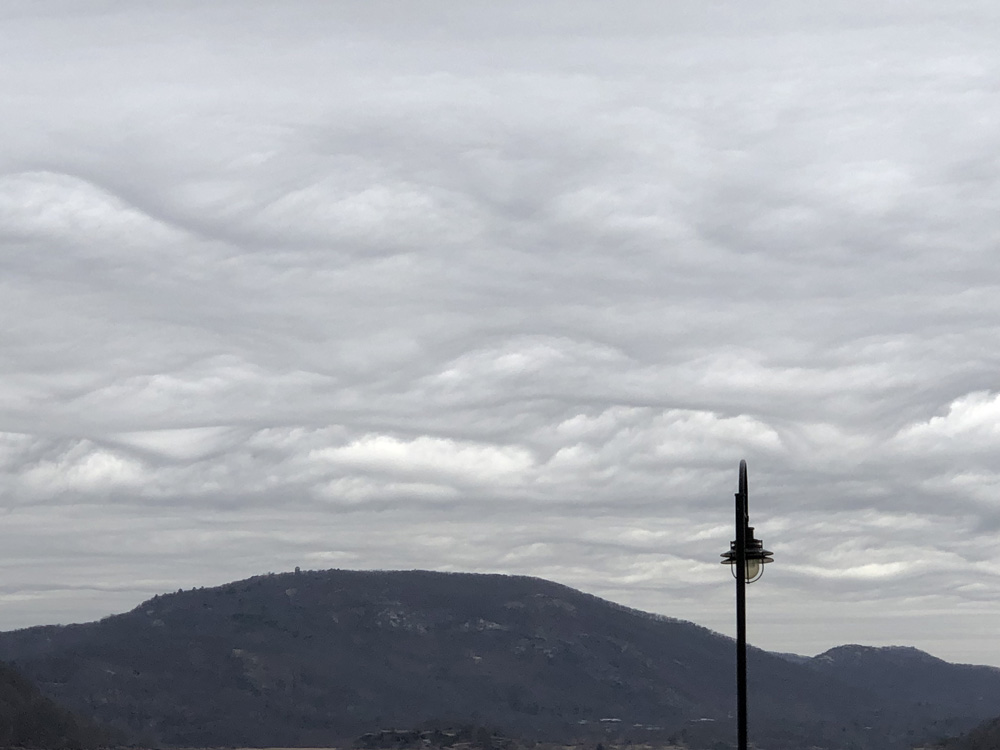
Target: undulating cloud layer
[(507, 287)]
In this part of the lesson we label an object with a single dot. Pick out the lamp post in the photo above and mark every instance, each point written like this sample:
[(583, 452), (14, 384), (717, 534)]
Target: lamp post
[(746, 558)]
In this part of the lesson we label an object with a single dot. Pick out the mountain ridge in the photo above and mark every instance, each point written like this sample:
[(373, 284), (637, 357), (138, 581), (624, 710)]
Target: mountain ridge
[(316, 657)]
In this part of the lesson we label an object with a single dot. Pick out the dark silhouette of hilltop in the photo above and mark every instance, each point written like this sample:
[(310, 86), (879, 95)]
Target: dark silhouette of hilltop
[(316, 658)]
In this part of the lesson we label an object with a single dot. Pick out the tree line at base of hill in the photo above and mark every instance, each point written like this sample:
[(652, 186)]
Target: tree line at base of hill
[(30, 720), (984, 737)]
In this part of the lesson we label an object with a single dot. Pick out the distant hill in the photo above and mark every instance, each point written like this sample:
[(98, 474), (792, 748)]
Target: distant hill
[(949, 695), (316, 658), (29, 720)]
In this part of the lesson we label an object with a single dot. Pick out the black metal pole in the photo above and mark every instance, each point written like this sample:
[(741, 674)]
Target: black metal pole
[(741, 606)]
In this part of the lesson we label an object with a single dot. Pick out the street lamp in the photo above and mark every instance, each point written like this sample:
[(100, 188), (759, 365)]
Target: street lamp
[(746, 558)]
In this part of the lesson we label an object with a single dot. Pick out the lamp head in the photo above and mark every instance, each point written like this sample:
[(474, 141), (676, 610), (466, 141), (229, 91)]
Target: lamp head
[(756, 557)]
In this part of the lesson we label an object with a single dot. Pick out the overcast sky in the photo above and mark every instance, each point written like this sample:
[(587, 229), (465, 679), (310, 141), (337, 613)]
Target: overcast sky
[(507, 287)]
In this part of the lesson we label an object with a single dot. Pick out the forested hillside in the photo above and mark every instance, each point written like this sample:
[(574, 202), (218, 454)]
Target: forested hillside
[(319, 658), (30, 720)]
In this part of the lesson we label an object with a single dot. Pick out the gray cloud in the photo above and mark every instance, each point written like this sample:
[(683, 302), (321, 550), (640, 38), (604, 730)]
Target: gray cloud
[(510, 289)]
